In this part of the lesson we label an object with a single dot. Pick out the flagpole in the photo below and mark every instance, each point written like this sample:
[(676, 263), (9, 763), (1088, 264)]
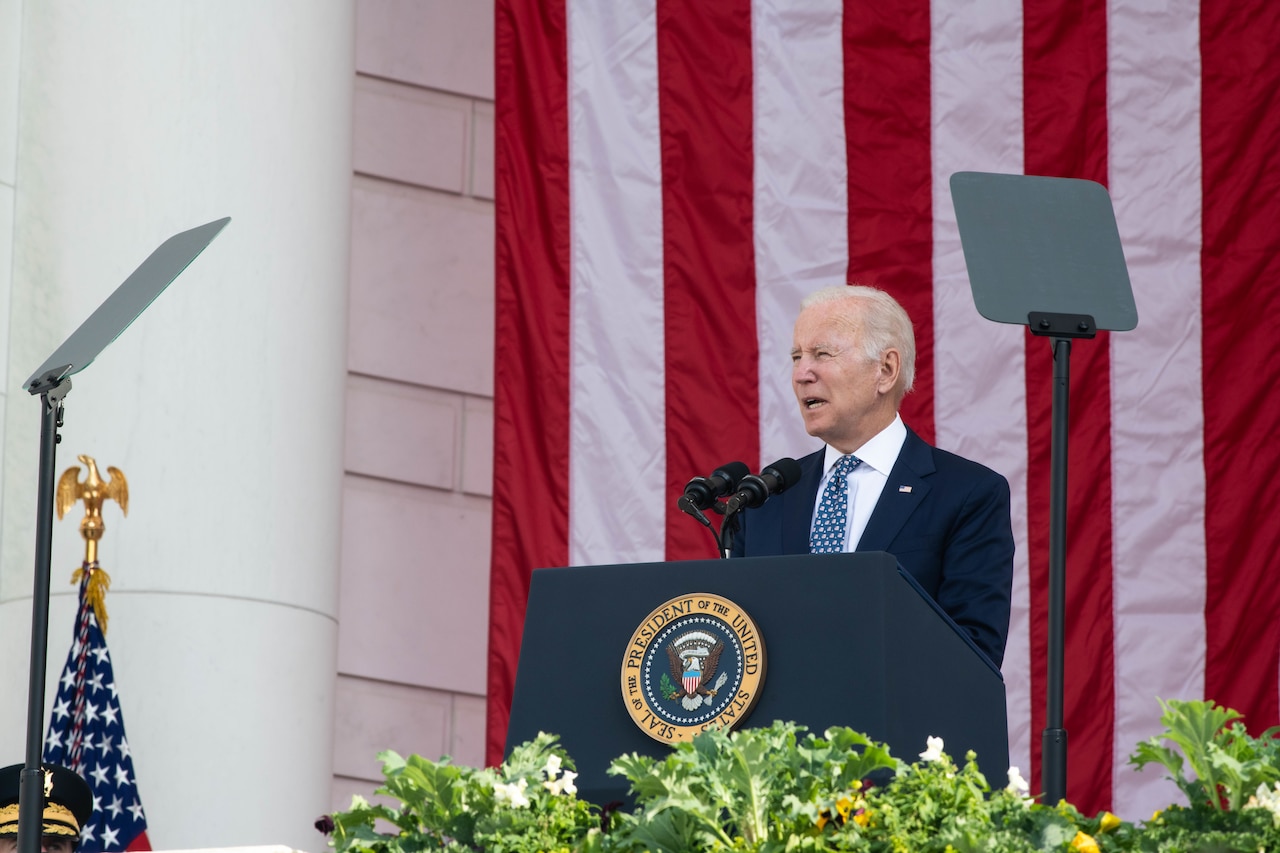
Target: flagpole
[(31, 790), (78, 726)]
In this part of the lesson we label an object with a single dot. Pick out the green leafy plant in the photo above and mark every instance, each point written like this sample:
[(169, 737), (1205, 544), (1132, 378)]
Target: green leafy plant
[(1227, 764), (936, 806), (782, 789), (527, 805), (756, 789)]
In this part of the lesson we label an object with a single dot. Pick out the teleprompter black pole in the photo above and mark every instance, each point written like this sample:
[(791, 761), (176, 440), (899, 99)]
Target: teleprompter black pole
[(1053, 743), (1059, 330), (31, 786), (1045, 252), (52, 381)]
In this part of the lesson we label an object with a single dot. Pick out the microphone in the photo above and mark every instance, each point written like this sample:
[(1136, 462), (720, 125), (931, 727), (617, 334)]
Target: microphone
[(702, 492), (756, 489)]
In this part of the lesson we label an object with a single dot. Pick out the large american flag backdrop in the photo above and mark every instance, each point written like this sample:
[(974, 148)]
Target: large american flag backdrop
[(673, 176)]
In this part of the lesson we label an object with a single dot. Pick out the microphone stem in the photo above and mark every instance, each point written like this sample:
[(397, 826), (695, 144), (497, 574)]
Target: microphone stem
[(688, 507), (728, 529)]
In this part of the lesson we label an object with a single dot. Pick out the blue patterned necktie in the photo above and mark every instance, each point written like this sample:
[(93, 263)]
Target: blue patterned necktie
[(832, 520)]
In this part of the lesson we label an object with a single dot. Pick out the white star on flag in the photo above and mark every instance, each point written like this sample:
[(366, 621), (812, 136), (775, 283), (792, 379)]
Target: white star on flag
[(78, 728)]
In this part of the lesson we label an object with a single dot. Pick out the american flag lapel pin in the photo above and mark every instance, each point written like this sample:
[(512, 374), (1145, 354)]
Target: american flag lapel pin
[(905, 489)]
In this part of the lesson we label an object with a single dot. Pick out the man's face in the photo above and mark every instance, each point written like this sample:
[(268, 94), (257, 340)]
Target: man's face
[(48, 843), (845, 398)]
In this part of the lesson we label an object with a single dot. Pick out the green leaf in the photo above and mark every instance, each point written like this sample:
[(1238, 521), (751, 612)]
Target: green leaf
[(391, 761), (1226, 764), (670, 832)]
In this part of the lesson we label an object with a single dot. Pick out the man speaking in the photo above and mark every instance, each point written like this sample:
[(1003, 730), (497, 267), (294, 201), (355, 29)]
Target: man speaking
[(876, 485)]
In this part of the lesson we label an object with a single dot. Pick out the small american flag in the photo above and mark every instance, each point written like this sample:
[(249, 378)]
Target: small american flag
[(86, 733)]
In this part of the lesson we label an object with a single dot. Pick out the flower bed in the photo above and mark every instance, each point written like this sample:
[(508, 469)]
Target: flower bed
[(782, 789)]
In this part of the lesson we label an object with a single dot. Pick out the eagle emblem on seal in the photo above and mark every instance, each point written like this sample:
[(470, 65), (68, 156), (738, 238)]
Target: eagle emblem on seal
[(694, 658), (696, 662)]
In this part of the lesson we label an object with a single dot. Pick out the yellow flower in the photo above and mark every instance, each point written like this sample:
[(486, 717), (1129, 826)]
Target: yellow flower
[(1084, 843), (862, 818), (1109, 822), (843, 805)]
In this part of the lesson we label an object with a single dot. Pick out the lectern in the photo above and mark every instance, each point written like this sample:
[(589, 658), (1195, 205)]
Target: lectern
[(849, 639)]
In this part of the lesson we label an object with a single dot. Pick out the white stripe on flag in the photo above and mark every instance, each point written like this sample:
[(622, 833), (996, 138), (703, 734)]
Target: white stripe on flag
[(801, 198), (1157, 418), (617, 385), (980, 389)]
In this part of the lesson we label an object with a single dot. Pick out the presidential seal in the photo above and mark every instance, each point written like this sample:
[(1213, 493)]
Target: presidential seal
[(696, 662)]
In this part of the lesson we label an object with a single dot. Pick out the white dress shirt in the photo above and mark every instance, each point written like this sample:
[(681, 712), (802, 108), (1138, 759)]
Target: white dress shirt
[(866, 481)]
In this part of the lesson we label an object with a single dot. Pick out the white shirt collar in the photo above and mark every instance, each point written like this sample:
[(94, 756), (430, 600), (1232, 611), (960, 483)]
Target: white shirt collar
[(880, 453)]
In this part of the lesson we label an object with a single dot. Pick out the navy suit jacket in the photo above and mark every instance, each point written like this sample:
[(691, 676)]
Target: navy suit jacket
[(945, 518)]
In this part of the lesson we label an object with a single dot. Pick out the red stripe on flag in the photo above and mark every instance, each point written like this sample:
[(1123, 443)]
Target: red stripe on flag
[(531, 388), (888, 136), (1065, 109), (705, 88), (1240, 268)]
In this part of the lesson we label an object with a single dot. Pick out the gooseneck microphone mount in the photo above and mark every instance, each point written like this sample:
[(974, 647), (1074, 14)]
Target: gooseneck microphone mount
[(703, 493), (731, 489)]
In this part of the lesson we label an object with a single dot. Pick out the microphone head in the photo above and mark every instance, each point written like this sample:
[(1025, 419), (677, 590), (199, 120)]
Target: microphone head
[(755, 489), (732, 473), (702, 492), (787, 472)]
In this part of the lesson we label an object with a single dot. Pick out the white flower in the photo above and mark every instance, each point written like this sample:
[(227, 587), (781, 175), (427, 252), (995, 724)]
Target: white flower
[(552, 768), (934, 752), (563, 785), (1267, 798), (1017, 784), (512, 794)]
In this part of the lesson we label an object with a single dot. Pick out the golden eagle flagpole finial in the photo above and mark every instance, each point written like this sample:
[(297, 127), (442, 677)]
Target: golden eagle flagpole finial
[(94, 491)]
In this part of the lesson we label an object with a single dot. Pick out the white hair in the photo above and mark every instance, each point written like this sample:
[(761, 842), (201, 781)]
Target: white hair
[(884, 325)]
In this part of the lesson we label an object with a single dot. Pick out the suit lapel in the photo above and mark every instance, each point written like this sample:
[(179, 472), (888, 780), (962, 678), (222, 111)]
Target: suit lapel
[(798, 510), (905, 490)]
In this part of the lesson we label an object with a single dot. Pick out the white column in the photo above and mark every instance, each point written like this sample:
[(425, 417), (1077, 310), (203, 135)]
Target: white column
[(222, 404)]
